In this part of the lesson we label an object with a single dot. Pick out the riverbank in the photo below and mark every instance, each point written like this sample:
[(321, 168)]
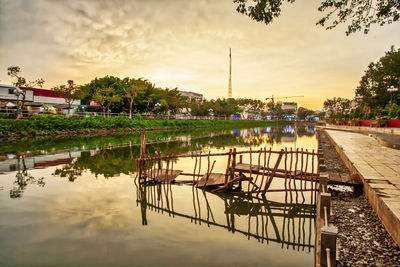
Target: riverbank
[(47, 125), (363, 240)]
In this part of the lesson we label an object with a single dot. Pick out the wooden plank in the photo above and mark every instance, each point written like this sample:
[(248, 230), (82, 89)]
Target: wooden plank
[(215, 179), (334, 178), (161, 176)]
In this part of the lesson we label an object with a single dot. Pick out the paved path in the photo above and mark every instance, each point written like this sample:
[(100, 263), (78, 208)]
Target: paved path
[(389, 137), (379, 168)]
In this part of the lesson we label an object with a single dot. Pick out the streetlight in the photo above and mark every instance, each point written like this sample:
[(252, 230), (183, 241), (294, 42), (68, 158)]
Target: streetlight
[(392, 89), (157, 106)]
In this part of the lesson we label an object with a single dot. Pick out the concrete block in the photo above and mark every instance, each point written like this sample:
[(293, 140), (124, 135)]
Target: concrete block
[(325, 200), (328, 240), (323, 182), (322, 168)]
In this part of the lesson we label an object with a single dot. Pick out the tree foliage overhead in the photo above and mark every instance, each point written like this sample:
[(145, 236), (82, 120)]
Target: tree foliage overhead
[(356, 14)]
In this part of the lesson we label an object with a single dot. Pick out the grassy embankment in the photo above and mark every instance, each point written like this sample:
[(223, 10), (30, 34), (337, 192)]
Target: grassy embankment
[(45, 125)]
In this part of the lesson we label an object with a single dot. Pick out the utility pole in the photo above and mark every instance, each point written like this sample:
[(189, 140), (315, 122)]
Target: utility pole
[(230, 75)]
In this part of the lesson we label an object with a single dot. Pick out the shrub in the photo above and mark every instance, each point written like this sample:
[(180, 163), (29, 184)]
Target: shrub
[(42, 125)]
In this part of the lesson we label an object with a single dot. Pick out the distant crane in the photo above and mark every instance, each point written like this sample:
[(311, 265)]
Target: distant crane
[(273, 98)]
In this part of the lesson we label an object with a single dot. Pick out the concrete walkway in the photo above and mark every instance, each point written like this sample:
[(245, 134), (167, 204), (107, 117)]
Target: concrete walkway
[(389, 137), (379, 169)]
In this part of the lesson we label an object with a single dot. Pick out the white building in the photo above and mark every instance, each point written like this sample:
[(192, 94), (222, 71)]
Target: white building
[(7, 93), (289, 106), (192, 95), (35, 98)]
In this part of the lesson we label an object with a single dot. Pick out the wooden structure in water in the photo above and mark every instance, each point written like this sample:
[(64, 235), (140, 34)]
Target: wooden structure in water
[(301, 171), (252, 177)]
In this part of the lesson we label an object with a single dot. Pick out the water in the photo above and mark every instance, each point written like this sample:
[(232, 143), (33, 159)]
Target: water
[(73, 202)]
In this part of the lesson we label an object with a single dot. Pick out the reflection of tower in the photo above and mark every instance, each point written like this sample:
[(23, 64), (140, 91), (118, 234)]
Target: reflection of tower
[(230, 75)]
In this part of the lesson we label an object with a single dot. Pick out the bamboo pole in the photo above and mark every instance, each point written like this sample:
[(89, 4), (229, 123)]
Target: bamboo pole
[(251, 161), (228, 167), (224, 154), (258, 170), (233, 166), (268, 183)]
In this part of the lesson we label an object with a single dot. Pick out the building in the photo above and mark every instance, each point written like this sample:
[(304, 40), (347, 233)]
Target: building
[(49, 97), (192, 95), (36, 99), (289, 106), (7, 94)]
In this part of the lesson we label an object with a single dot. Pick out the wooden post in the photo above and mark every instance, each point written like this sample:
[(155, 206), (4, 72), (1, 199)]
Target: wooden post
[(271, 176), (159, 160), (142, 164), (233, 166), (228, 167)]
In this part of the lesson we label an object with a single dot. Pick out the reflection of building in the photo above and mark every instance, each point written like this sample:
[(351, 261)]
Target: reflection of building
[(192, 95), (40, 161)]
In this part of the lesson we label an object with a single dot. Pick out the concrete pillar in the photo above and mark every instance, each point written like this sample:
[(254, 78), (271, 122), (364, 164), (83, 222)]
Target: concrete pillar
[(325, 200), (322, 168), (323, 182), (328, 240)]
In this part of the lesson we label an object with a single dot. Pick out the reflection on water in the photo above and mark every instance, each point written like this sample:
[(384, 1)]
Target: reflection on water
[(287, 223), (23, 178), (72, 201)]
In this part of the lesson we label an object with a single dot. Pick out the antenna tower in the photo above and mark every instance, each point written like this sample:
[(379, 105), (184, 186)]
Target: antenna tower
[(230, 75)]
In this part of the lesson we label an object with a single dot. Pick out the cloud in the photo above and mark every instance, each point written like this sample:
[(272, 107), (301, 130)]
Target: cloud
[(185, 44)]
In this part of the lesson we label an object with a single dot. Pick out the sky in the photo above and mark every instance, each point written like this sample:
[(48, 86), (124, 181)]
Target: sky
[(185, 44)]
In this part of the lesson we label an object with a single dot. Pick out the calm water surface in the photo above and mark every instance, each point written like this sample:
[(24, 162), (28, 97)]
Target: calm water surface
[(74, 202)]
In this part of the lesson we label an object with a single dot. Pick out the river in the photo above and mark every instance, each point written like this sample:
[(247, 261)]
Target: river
[(73, 201)]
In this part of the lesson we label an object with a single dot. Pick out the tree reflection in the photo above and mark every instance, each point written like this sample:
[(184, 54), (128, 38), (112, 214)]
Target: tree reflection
[(111, 161), (69, 170), (23, 178)]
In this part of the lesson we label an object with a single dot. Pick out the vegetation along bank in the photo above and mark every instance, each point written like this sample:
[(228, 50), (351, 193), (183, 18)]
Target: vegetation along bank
[(45, 125)]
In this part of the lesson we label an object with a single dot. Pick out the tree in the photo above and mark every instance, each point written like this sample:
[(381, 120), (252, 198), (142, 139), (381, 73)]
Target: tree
[(171, 101), (337, 105), (200, 108), (105, 97), (275, 110), (131, 88), (303, 113), (71, 92), (357, 14), (14, 72), (372, 91)]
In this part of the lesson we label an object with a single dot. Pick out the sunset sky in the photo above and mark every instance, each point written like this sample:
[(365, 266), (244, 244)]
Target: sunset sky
[(185, 44)]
